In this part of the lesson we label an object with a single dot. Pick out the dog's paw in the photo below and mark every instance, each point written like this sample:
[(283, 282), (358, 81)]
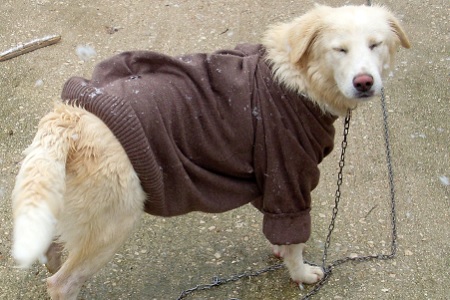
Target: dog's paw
[(307, 274)]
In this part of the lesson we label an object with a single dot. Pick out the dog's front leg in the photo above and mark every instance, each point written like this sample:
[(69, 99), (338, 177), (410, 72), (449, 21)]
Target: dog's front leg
[(293, 259)]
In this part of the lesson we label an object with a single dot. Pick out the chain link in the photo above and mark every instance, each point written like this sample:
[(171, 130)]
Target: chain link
[(337, 195), (390, 174), (220, 281)]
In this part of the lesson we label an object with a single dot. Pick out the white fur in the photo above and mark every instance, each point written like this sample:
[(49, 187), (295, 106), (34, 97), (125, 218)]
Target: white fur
[(38, 197), (76, 182), (33, 233)]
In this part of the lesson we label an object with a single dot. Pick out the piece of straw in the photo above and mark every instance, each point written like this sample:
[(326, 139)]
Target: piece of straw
[(29, 46)]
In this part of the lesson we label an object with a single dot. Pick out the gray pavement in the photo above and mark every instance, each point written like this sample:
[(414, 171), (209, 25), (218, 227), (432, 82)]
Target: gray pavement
[(165, 256)]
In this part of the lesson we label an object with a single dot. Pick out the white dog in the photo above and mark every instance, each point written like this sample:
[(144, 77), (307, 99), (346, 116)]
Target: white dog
[(222, 130)]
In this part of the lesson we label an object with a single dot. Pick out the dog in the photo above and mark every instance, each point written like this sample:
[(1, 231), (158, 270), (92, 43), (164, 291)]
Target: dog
[(251, 126)]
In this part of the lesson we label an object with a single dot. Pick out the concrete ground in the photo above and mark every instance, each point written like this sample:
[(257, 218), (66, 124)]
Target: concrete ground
[(165, 256)]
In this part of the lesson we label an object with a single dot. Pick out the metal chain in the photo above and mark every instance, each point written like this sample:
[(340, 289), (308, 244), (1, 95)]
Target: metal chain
[(328, 269), (390, 174), (220, 281), (337, 195)]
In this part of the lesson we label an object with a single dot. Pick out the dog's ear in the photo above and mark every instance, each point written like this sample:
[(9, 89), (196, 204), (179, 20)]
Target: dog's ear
[(302, 36), (398, 30)]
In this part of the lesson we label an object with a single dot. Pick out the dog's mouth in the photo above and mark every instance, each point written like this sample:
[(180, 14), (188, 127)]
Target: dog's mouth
[(365, 95)]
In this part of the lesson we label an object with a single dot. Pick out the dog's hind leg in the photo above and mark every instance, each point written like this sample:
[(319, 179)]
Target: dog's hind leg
[(85, 260), (94, 231), (103, 201)]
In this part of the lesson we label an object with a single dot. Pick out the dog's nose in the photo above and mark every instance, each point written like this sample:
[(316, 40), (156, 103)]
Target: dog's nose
[(363, 83)]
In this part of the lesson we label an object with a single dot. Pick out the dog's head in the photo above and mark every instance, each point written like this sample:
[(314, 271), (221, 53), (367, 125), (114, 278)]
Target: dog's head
[(338, 56)]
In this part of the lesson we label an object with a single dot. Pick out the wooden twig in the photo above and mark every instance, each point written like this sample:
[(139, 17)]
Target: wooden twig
[(29, 46)]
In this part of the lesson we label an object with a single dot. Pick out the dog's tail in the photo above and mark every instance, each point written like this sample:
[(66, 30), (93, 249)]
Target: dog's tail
[(40, 186)]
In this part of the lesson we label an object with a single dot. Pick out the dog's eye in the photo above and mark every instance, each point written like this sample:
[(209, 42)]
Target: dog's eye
[(374, 45), (339, 49)]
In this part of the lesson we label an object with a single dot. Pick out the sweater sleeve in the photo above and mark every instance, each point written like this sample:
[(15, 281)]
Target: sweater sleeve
[(288, 177), (286, 165)]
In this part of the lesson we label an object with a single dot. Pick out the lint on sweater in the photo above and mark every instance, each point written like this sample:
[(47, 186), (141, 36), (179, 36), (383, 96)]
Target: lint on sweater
[(212, 132)]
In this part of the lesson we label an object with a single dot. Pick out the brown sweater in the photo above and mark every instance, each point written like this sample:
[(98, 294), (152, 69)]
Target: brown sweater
[(212, 132)]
